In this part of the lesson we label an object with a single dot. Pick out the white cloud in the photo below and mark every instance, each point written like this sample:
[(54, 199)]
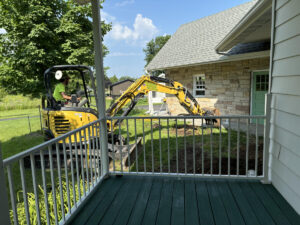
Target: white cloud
[(123, 3), (143, 30), (107, 17), (2, 31), (124, 54)]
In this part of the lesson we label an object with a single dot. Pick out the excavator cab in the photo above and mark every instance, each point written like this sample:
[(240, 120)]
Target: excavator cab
[(60, 117)]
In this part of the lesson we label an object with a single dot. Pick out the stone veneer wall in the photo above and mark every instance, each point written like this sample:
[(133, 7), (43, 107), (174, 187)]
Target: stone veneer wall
[(228, 85)]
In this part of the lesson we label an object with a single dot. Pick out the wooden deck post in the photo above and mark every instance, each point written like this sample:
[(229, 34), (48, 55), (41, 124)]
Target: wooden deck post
[(4, 206), (266, 155)]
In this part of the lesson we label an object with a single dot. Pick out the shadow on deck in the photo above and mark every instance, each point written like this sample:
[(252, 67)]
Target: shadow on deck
[(164, 200)]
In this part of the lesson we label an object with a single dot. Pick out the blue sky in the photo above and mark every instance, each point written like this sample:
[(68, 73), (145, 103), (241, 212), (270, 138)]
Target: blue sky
[(135, 22)]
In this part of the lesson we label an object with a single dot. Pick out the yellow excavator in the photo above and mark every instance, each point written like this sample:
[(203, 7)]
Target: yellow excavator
[(60, 118)]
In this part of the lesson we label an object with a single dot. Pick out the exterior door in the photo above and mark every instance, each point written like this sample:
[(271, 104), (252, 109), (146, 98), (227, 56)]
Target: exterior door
[(260, 84)]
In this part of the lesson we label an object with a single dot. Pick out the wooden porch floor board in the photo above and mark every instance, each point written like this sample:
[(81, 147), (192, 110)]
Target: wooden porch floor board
[(167, 200)]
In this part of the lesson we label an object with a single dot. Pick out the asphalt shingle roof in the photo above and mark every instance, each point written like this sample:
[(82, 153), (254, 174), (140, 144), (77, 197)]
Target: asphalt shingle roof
[(194, 42)]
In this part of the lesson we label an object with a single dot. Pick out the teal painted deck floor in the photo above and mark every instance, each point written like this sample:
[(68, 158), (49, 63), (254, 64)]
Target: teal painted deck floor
[(164, 200)]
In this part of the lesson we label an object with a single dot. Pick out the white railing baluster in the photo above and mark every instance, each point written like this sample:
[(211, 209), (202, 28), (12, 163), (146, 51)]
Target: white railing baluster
[(45, 186), (128, 148), (60, 182), (136, 148), (160, 151), (67, 175), (35, 189), (72, 171), (77, 166), (86, 161), (194, 156), (53, 183), (229, 146), (211, 149), (152, 150), (121, 146), (12, 194), (220, 147), (256, 146), (24, 190), (90, 156), (144, 146), (184, 139), (168, 131), (238, 149), (247, 147), (177, 169), (202, 147), (113, 145)]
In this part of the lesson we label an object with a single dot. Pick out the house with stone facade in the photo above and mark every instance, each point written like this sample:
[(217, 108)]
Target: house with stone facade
[(235, 80)]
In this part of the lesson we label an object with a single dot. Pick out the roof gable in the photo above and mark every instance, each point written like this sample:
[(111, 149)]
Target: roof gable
[(194, 42)]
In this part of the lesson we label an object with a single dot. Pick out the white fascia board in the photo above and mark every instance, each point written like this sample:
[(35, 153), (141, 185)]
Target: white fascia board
[(257, 11), (252, 55)]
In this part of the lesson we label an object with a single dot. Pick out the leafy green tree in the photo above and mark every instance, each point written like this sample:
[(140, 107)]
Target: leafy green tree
[(153, 47), (40, 34), (114, 79), (126, 78)]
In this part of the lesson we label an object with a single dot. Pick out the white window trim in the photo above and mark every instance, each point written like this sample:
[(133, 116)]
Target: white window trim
[(194, 86)]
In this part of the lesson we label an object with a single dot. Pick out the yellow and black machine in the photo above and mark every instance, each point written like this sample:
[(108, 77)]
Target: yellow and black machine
[(60, 118)]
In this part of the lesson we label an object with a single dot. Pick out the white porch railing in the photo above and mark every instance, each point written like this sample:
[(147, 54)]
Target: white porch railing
[(58, 176)]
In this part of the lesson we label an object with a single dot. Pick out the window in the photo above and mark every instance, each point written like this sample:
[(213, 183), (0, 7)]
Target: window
[(262, 82), (199, 85)]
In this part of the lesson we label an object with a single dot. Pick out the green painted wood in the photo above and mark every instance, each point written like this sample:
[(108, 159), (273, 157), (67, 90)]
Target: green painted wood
[(229, 203), (284, 206), (204, 207), (165, 204), (119, 201), (153, 203), (94, 201), (217, 206), (259, 89), (101, 208), (243, 204), (137, 214), (129, 202), (178, 203), (269, 204), (258, 208), (191, 207)]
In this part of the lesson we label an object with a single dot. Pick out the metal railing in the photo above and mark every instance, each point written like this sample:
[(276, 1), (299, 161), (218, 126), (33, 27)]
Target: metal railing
[(61, 173), (58, 176), (186, 146)]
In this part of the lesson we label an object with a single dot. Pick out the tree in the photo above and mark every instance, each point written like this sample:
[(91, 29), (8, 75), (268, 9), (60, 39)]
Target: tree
[(153, 47), (126, 78), (41, 34), (114, 79)]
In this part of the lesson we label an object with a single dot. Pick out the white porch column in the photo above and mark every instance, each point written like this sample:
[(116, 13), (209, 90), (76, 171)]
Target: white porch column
[(100, 84), (150, 103)]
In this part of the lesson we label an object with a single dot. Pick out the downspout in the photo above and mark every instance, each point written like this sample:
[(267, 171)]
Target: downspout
[(269, 144)]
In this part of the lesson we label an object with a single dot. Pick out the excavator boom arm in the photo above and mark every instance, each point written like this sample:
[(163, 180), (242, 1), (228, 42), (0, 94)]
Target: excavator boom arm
[(143, 85)]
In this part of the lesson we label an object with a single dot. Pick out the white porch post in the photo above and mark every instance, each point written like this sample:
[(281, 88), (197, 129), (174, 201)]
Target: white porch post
[(100, 84), (4, 206), (266, 156), (150, 103)]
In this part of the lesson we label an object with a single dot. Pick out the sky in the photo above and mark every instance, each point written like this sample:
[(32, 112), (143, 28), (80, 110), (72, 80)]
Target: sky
[(135, 22)]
